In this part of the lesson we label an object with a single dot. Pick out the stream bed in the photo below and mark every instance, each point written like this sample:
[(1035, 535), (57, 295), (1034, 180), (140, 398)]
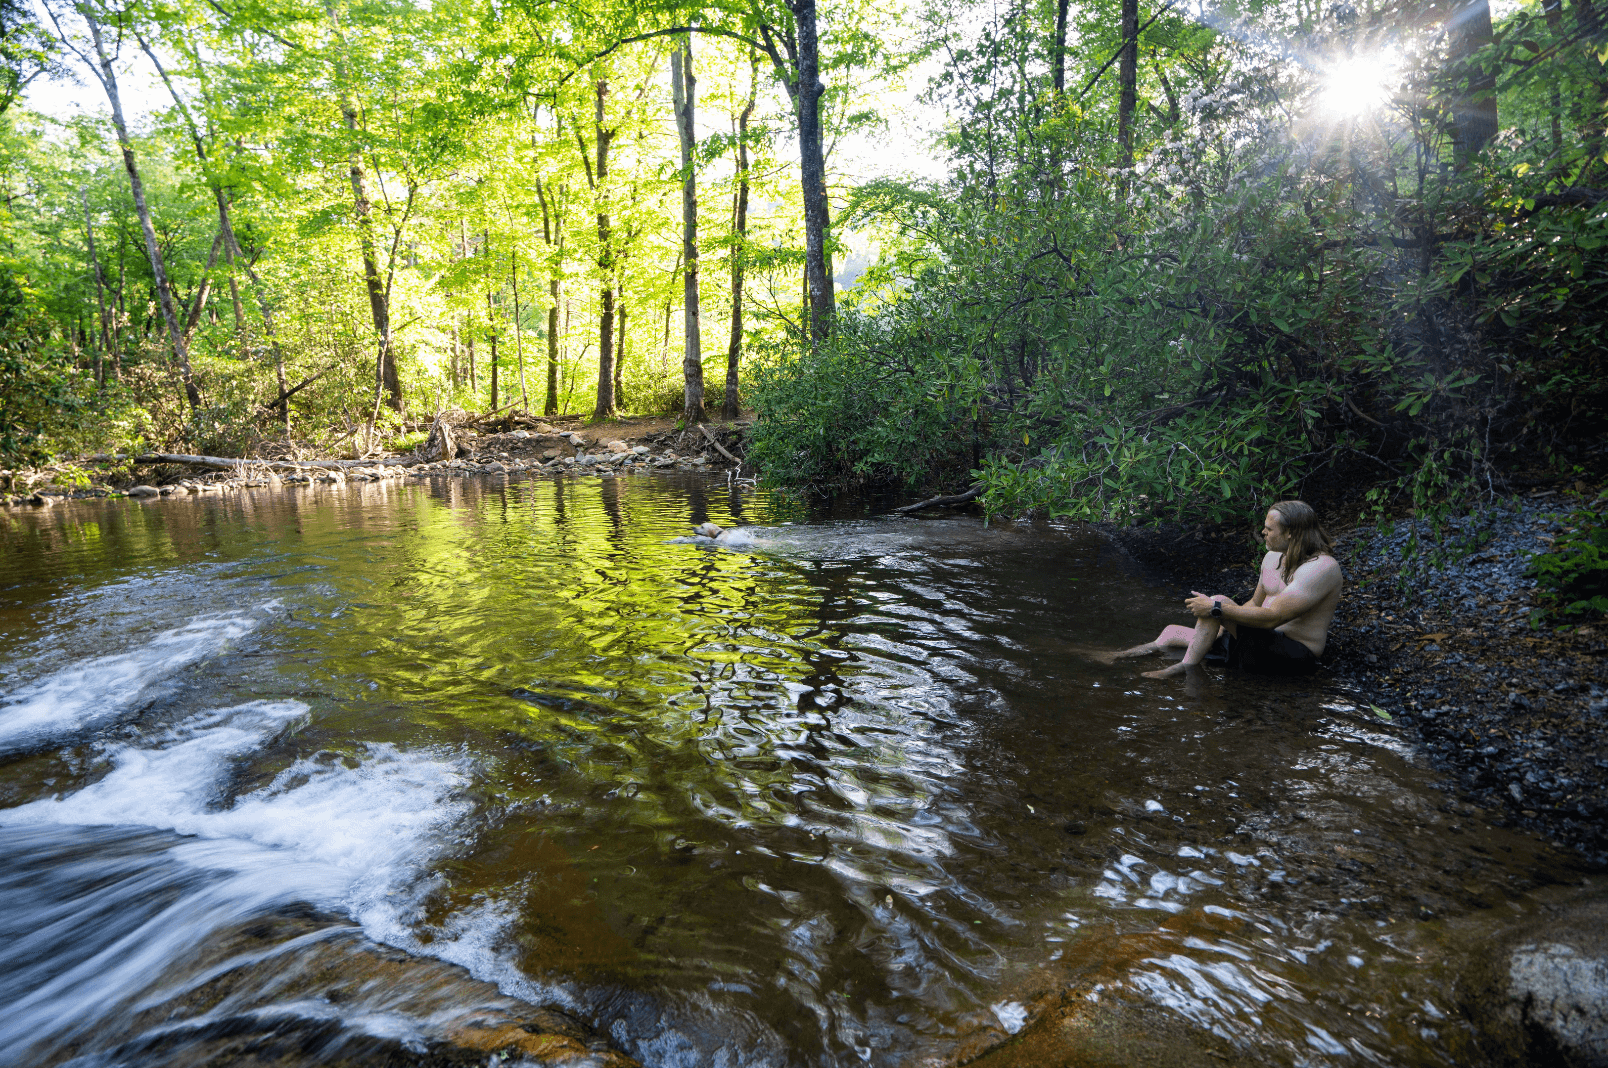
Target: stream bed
[(848, 791)]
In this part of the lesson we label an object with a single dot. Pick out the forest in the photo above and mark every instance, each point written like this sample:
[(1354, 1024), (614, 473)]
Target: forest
[(1180, 255)]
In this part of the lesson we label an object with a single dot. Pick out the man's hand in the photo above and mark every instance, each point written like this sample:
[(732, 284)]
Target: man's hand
[(1201, 605)]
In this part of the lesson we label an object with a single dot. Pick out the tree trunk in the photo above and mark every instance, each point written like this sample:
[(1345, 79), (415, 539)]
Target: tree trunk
[(1588, 21), (519, 340), (100, 283), (619, 355), (1060, 46), (683, 87), (1474, 90), (550, 405), (202, 291), (492, 342), (385, 376), (812, 172), (605, 264), (164, 291), (455, 364), (1128, 79), (1553, 11), (734, 348), (553, 238)]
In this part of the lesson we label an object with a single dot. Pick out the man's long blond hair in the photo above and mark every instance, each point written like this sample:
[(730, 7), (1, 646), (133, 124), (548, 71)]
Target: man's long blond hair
[(1308, 540)]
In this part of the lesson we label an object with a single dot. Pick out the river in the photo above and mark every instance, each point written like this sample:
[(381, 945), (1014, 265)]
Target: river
[(848, 792)]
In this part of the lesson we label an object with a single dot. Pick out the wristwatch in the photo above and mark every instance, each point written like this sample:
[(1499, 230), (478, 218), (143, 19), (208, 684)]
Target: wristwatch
[(1217, 609)]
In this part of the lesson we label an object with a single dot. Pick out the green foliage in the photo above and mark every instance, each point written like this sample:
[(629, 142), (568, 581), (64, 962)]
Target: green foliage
[(1574, 573), (834, 420)]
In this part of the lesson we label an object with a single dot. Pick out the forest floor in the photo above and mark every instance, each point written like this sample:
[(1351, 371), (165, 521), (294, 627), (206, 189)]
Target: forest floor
[(1515, 715), (561, 444)]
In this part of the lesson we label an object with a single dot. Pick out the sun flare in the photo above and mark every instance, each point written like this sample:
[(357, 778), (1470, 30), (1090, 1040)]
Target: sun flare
[(1359, 84)]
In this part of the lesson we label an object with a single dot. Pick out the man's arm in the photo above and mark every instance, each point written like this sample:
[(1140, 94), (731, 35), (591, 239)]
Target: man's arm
[(1312, 584)]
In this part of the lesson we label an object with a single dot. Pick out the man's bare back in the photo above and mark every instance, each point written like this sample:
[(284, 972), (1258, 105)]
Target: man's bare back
[(1317, 582)]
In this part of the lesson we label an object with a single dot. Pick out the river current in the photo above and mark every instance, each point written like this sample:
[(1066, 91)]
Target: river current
[(847, 791)]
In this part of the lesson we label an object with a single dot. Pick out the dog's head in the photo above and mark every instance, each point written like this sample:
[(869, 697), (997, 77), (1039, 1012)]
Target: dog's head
[(709, 530)]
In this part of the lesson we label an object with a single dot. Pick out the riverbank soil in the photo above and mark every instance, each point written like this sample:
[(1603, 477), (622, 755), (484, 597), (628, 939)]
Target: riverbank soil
[(563, 444)]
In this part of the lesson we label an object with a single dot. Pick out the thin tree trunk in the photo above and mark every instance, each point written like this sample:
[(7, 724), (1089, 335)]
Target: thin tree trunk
[(1553, 11), (734, 348), (552, 235), (550, 404), (806, 95), (164, 291), (234, 297), (1060, 46), (519, 343), (1128, 79), (491, 341), (457, 353), (100, 286), (619, 356), (683, 89), (669, 302), (1588, 21), (385, 376), (469, 318), (202, 291), (605, 263)]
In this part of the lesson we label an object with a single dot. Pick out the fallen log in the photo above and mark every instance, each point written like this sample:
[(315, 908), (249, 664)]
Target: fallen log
[(715, 442), (948, 501), (229, 463), (477, 420)]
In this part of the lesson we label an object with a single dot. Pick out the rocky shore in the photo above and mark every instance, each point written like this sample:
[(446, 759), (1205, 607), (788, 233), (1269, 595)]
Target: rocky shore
[(599, 451), (1434, 634)]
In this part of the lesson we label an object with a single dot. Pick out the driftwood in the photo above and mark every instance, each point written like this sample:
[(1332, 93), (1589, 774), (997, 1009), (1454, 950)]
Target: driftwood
[(716, 443), (478, 419), (228, 463), (439, 445), (948, 501)]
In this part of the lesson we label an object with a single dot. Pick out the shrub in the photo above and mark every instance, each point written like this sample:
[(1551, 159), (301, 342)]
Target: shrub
[(1574, 574)]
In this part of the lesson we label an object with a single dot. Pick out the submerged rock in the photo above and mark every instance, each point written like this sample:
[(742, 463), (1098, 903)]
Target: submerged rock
[(144, 491), (1540, 994), (1562, 993)]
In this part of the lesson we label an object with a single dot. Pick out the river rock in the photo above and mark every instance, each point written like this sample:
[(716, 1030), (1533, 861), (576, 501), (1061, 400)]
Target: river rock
[(496, 468), (144, 491), (641, 450), (1539, 994), (39, 500), (550, 454)]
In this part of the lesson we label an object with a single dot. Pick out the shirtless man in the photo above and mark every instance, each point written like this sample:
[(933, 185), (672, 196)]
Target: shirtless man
[(1283, 628)]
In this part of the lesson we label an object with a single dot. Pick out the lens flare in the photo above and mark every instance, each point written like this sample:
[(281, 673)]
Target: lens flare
[(1356, 85)]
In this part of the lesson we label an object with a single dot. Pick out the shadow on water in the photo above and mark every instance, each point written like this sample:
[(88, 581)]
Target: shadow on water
[(846, 796)]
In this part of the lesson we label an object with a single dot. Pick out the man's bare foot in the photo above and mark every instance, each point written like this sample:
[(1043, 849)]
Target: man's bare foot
[(1169, 671)]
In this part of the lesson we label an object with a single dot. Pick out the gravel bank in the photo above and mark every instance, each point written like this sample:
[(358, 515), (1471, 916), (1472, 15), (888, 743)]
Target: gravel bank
[(1516, 716)]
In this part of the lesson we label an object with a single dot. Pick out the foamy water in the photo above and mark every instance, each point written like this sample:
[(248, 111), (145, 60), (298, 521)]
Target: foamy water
[(351, 836), (92, 693)]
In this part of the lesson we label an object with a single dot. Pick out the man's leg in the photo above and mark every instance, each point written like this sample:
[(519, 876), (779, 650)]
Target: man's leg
[(1200, 643), (1171, 637)]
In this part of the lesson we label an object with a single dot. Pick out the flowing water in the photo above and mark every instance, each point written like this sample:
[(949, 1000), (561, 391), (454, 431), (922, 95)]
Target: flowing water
[(846, 791)]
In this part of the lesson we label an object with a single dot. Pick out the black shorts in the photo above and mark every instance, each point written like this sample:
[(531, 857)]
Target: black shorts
[(1260, 651)]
